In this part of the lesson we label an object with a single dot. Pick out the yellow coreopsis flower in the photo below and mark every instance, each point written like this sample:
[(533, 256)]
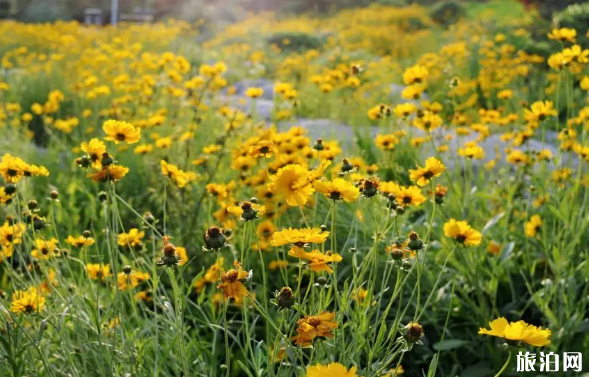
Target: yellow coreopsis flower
[(12, 168), (133, 238), (318, 261), (415, 75), (330, 370), (29, 301), (422, 176), (405, 196), (119, 131), (533, 226), (518, 331), (539, 111), (298, 237), (472, 150), (231, 283), (462, 233), (98, 271), (563, 34), (254, 92), (177, 175), (314, 326), (293, 183), (386, 142), (95, 149), (338, 189), (80, 241)]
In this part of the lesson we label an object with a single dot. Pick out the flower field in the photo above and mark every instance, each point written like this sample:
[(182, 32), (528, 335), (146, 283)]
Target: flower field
[(365, 194)]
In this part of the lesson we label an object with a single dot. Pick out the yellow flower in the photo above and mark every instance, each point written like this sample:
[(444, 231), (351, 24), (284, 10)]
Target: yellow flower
[(386, 142), (472, 150), (415, 75), (518, 157), (462, 232), (131, 239), (317, 260), (337, 189), (112, 173), (163, 142), (231, 283), (403, 110), (422, 176), (539, 111), (254, 92), (575, 53), (428, 122), (178, 176), (98, 271), (405, 196), (143, 149), (413, 91), (11, 234), (4, 197), (504, 94), (330, 370), (314, 326), (12, 168), (264, 148), (395, 372), (44, 249), (293, 183), (131, 280), (29, 301), (298, 237), (212, 275), (79, 241), (182, 255), (95, 148), (563, 34), (518, 331), (118, 131), (533, 226), (247, 211)]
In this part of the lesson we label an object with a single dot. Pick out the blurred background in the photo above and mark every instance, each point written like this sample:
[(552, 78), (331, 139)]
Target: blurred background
[(100, 11)]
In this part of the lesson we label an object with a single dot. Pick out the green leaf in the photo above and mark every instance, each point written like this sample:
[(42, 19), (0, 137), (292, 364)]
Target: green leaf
[(450, 344), (492, 222)]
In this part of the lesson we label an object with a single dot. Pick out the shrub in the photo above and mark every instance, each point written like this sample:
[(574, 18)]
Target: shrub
[(447, 12)]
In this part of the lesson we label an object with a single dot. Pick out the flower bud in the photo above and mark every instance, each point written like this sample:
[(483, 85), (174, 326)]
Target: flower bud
[(318, 146), (413, 332), (285, 298), (415, 243), (127, 270), (214, 238), (397, 254), (102, 196), (32, 204), (147, 216), (346, 166)]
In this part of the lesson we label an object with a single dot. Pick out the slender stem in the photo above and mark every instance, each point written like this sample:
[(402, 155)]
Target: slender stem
[(504, 365)]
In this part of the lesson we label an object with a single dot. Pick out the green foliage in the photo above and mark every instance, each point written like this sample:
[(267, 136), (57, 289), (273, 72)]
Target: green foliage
[(295, 41), (447, 12)]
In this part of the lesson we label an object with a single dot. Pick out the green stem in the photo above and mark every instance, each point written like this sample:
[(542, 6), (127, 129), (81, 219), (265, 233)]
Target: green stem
[(504, 365)]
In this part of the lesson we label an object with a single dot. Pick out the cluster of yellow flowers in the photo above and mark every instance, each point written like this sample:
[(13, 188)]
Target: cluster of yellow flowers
[(156, 130)]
